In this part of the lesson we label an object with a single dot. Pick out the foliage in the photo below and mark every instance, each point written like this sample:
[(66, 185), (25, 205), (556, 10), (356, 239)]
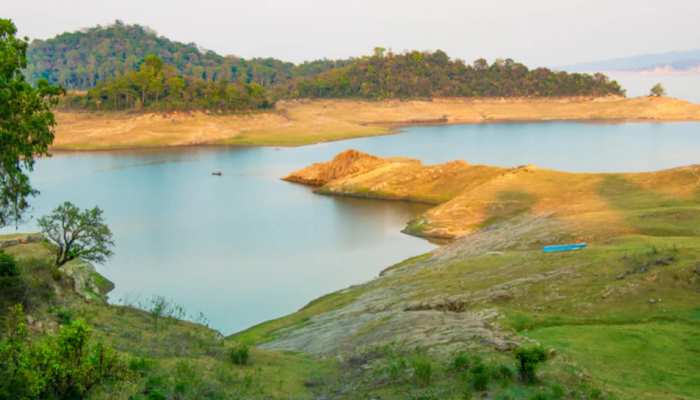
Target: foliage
[(157, 86), (424, 75), (657, 91), (461, 362), (77, 234), (422, 370), (528, 358), (79, 60), (62, 366), (26, 124), (239, 354), (161, 308), (479, 377), (8, 265)]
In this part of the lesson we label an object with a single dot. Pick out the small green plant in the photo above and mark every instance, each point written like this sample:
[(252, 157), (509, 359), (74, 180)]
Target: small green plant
[(8, 266), (460, 362), (503, 373), (240, 354), (64, 315), (479, 377), (396, 368), (422, 371), (528, 358)]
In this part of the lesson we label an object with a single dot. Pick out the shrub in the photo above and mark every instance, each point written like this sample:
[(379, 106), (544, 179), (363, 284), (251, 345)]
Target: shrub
[(528, 359), (396, 368), (503, 373), (62, 366), (239, 354), (479, 377), (422, 371), (64, 315), (460, 362), (8, 266)]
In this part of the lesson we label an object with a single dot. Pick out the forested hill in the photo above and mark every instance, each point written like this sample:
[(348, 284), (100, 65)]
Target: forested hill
[(79, 60), (425, 74)]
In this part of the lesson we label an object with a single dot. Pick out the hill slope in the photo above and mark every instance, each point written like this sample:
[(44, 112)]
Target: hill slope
[(78, 60), (628, 302)]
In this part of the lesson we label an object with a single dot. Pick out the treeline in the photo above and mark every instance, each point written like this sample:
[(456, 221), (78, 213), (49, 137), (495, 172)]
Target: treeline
[(80, 60), (424, 74), (156, 86)]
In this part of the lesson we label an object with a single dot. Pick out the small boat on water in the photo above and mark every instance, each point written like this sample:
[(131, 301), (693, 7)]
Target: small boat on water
[(217, 173), (564, 247)]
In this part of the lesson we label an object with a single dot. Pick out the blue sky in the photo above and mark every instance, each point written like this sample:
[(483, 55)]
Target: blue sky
[(538, 32)]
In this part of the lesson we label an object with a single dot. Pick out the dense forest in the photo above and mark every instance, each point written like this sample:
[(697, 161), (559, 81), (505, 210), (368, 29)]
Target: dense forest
[(425, 74), (79, 60), (156, 86), (130, 67)]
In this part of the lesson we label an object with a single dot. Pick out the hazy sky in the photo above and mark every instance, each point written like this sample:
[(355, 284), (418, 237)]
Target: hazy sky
[(538, 32)]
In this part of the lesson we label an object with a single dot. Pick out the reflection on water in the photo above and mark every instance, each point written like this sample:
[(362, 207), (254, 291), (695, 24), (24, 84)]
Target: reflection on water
[(246, 247)]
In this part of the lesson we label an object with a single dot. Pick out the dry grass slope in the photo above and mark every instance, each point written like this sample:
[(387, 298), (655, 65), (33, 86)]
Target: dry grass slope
[(294, 123)]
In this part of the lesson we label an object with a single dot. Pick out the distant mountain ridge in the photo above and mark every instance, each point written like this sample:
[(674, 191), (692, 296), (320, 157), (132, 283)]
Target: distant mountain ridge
[(674, 60)]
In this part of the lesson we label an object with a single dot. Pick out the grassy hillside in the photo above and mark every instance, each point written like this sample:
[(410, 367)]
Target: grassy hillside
[(621, 314), (617, 320)]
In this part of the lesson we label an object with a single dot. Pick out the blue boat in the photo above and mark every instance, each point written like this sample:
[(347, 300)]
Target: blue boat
[(564, 247)]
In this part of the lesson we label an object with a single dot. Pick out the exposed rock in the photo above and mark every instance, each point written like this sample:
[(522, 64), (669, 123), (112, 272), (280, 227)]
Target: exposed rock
[(30, 238), (86, 281), (345, 164)]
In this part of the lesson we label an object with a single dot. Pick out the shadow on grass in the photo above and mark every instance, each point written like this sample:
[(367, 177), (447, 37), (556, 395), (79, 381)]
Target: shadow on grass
[(651, 213), (508, 204)]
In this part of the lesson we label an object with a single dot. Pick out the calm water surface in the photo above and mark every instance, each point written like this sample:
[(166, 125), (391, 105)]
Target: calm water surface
[(246, 247)]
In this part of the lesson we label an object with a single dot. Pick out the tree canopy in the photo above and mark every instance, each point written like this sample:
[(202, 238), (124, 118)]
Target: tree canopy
[(434, 74), (77, 234), (657, 90), (156, 86), (26, 124), (80, 60)]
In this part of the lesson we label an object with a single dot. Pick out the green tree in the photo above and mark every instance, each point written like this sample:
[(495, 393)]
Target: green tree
[(77, 234), (26, 124), (657, 90)]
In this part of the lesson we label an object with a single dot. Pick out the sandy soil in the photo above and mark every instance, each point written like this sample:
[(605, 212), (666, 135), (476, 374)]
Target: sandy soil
[(301, 122)]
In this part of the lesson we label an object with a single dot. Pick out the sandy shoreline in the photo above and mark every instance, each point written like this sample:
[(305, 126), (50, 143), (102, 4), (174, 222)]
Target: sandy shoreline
[(294, 123)]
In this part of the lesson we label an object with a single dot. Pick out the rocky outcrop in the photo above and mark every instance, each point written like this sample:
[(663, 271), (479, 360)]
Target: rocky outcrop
[(345, 164), (20, 239)]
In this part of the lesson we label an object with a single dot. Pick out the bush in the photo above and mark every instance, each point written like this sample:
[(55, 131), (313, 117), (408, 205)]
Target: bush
[(503, 373), (8, 266), (528, 359), (396, 368), (62, 366), (460, 362), (239, 355), (422, 371), (64, 315), (479, 377)]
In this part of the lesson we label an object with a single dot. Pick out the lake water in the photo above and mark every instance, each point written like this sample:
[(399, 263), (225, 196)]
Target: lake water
[(247, 247)]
